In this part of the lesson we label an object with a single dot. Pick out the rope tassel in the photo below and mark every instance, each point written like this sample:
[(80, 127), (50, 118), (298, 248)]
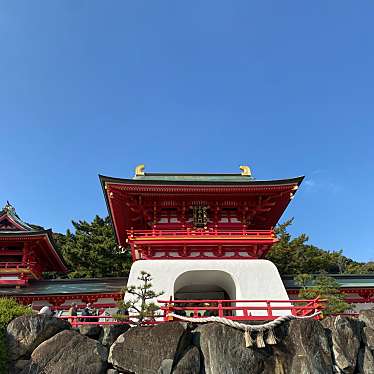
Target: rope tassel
[(248, 338), (260, 339), (271, 338)]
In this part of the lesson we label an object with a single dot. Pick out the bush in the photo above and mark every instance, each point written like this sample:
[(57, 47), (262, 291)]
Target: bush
[(9, 309)]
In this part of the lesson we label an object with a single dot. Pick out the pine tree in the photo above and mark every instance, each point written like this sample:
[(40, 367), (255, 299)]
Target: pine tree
[(140, 295), (92, 250), (324, 287), (295, 256)]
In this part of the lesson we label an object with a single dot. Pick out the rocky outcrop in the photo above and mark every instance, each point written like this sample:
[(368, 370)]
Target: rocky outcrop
[(365, 362), (25, 333), (110, 333), (91, 331), (367, 317), (303, 349), (345, 335), (68, 352), (336, 345), (190, 363), (143, 349), (224, 350)]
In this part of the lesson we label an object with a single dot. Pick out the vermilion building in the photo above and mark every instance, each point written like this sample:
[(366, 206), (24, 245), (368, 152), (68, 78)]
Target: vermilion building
[(26, 251), (201, 236)]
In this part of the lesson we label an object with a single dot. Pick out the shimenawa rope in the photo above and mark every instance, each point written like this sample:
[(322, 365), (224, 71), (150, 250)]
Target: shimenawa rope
[(248, 329)]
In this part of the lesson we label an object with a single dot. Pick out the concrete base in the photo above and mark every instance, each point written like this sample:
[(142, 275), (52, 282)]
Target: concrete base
[(240, 279)]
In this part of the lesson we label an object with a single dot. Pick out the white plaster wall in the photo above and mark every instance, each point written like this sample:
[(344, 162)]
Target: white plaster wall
[(253, 279)]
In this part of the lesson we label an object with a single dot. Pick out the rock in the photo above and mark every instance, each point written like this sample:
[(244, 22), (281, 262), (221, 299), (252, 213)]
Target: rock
[(92, 331), (365, 361), (110, 333), (345, 333), (304, 349), (166, 366), (25, 333), (16, 367), (68, 352), (224, 351), (368, 337), (142, 349), (367, 316), (189, 363), (112, 371)]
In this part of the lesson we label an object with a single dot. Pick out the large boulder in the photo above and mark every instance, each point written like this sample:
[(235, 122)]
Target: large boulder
[(143, 349), (110, 333), (190, 363), (303, 349), (91, 331), (368, 337), (68, 352), (365, 362), (345, 335), (25, 333), (367, 316), (224, 351)]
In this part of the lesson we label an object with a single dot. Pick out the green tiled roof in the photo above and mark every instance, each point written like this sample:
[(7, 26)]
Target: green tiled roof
[(195, 177), (67, 286), (345, 281)]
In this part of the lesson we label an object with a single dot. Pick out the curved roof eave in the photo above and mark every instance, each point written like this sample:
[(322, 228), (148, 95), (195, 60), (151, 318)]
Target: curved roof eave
[(105, 179)]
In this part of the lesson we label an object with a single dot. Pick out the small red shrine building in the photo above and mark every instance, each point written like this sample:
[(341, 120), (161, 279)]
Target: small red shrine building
[(26, 251)]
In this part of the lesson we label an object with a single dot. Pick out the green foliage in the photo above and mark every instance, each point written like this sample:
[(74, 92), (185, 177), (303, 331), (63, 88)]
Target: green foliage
[(360, 268), (324, 287), (139, 304), (294, 256), (9, 309), (92, 250)]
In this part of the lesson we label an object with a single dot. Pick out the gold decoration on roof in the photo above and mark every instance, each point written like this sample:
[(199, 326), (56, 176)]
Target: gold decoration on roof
[(245, 170), (139, 170)]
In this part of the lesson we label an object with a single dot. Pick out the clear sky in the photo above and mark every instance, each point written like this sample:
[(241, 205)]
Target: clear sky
[(90, 87)]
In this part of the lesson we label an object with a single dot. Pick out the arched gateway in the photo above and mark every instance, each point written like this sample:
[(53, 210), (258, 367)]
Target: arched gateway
[(204, 284), (201, 235)]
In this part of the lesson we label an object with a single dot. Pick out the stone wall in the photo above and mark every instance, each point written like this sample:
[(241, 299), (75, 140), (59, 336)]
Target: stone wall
[(39, 344)]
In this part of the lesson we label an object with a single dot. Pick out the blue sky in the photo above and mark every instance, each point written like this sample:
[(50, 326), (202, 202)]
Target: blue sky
[(90, 87)]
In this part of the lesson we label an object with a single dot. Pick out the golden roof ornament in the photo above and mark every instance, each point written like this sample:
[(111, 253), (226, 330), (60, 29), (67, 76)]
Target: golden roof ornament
[(139, 170), (245, 170)]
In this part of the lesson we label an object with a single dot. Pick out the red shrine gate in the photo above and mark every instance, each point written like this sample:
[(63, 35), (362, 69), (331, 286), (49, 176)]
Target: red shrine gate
[(212, 225)]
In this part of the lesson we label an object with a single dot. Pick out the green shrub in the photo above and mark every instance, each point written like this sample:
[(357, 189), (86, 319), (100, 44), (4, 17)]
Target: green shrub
[(9, 309)]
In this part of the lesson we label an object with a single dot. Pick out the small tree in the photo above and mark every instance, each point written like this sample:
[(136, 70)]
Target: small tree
[(140, 296), (324, 287)]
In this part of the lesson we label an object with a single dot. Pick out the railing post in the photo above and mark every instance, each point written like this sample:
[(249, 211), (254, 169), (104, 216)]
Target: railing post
[(220, 310), (268, 308), (170, 309)]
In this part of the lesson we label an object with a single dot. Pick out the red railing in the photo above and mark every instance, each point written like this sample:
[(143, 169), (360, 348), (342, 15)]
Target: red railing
[(77, 321), (241, 309), (16, 265), (201, 233)]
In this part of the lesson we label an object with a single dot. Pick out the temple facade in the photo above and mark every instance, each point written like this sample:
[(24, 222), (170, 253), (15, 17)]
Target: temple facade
[(201, 236), (26, 251)]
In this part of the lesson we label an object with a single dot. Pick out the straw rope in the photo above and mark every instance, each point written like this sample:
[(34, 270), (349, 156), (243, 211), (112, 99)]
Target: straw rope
[(248, 329)]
